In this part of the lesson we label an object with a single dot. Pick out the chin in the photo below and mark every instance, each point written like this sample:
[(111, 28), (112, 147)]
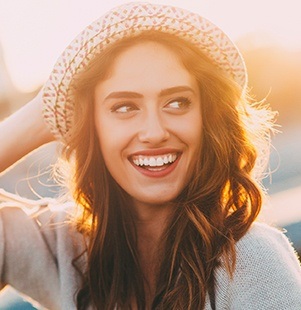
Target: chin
[(157, 200)]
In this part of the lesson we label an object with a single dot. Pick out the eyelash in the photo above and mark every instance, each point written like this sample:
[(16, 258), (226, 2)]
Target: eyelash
[(182, 100), (118, 106)]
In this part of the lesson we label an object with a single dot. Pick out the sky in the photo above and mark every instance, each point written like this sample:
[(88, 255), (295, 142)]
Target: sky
[(33, 33)]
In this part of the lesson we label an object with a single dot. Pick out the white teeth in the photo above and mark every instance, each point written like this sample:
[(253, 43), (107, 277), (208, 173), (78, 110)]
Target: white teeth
[(159, 162), (165, 160), (154, 161)]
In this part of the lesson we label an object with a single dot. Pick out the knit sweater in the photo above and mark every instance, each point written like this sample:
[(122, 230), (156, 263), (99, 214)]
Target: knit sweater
[(36, 255)]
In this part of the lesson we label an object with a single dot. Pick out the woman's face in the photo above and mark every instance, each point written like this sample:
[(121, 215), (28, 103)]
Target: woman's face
[(148, 120)]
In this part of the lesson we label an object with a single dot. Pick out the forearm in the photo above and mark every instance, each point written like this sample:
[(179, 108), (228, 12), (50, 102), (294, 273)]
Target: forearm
[(22, 132)]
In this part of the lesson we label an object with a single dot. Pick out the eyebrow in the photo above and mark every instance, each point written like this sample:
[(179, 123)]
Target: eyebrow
[(176, 89), (163, 92)]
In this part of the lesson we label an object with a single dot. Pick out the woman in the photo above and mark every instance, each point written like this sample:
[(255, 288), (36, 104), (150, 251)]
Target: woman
[(150, 105)]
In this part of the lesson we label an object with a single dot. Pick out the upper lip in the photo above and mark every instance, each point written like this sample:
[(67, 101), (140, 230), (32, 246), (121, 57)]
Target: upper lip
[(155, 152)]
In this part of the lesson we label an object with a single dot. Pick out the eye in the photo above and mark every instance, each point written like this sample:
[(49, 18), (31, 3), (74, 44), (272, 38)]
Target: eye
[(123, 108), (179, 103)]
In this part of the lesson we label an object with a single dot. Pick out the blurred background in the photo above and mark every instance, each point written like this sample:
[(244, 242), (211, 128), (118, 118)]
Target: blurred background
[(33, 33)]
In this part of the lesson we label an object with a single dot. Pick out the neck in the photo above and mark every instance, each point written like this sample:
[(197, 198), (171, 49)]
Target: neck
[(151, 222)]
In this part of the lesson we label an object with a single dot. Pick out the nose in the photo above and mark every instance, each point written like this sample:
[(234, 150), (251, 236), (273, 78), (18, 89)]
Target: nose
[(153, 129)]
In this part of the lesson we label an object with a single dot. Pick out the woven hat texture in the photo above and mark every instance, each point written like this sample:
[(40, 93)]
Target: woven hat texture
[(123, 21)]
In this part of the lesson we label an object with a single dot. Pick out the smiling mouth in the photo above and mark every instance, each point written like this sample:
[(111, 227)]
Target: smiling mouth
[(154, 163)]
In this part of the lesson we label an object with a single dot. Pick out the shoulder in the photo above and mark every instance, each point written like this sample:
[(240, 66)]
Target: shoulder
[(264, 244), (267, 273), (32, 243), (38, 226)]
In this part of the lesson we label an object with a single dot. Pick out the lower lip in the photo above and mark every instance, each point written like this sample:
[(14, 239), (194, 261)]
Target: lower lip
[(160, 173)]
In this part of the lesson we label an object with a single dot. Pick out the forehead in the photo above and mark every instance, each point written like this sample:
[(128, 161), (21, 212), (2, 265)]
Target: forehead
[(147, 66)]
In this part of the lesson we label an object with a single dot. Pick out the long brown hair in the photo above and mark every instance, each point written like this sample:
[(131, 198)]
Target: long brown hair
[(213, 211)]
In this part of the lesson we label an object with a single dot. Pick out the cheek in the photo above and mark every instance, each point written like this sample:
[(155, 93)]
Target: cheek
[(192, 135), (113, 140), (109, 142), (190, 130), (106, 138), (196, 126)]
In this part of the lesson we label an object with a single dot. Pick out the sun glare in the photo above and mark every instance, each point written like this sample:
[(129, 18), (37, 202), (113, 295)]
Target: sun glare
[(33, 33)]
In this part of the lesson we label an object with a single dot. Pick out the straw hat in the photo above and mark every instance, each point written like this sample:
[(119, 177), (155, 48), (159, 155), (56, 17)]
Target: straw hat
[(127, 20)]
